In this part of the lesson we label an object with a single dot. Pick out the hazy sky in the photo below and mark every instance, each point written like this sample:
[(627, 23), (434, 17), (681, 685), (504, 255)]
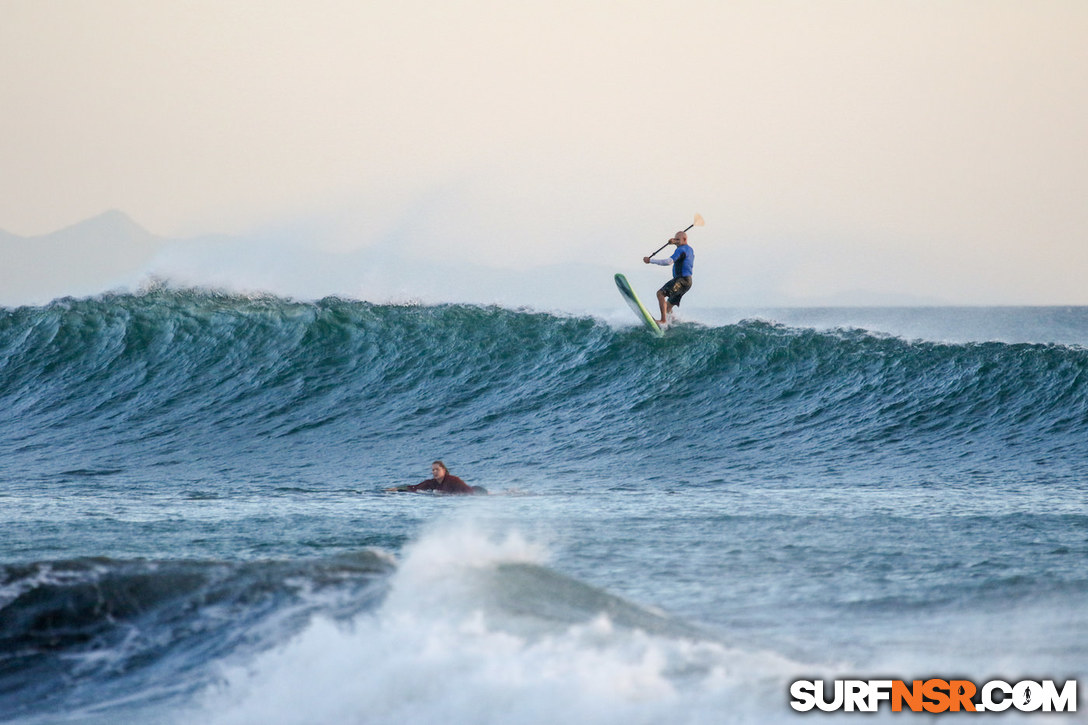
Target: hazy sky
[(929, 149)]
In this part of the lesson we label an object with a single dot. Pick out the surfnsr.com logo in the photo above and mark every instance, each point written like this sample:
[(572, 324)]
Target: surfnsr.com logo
[(934, 696)]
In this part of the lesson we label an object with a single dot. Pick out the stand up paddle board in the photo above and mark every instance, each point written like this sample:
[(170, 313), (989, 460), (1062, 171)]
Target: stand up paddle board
[(632, 300)]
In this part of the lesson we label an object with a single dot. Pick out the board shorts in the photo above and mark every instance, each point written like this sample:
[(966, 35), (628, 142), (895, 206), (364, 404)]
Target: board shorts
[(675, 288)]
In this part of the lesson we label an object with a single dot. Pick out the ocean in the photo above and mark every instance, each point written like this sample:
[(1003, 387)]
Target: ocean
[(196, 528)]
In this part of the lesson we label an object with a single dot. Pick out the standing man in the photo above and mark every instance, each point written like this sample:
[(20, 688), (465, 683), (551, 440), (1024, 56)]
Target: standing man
[(683, 262)]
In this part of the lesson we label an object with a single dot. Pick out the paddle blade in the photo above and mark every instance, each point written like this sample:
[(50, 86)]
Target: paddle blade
[(698, 221)]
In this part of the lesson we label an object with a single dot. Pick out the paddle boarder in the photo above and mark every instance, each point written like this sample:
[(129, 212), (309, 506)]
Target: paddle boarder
[(683, 262)]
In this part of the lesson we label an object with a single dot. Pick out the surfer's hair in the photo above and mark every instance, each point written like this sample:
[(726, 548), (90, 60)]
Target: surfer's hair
[(441, 464)]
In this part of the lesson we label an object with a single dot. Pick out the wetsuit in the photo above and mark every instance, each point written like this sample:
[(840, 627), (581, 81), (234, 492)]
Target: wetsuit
[(449, 484)]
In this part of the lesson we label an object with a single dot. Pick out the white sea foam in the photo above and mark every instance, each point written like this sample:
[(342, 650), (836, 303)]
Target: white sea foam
[(437, 652)]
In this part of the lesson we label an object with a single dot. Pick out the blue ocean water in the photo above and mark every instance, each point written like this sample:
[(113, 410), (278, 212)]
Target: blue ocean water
[(196, 528)]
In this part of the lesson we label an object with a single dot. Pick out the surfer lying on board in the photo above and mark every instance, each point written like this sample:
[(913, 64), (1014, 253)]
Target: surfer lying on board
[(443, 482), (682, 261)]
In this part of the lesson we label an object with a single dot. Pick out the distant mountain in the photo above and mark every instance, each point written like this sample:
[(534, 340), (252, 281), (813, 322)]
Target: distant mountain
[(84, 259), (111, 251)]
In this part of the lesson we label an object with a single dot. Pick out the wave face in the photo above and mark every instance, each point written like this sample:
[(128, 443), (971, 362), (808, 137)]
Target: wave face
[(198, 385)]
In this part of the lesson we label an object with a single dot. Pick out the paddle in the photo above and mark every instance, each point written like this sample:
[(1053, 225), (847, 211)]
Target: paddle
[(697, 223)]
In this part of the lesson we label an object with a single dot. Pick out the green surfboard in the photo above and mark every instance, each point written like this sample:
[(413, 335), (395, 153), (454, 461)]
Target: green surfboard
[(637, 306)]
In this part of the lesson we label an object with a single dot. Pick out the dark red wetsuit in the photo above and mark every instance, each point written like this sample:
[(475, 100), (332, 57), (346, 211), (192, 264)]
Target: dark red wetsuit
[(450, 484)]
